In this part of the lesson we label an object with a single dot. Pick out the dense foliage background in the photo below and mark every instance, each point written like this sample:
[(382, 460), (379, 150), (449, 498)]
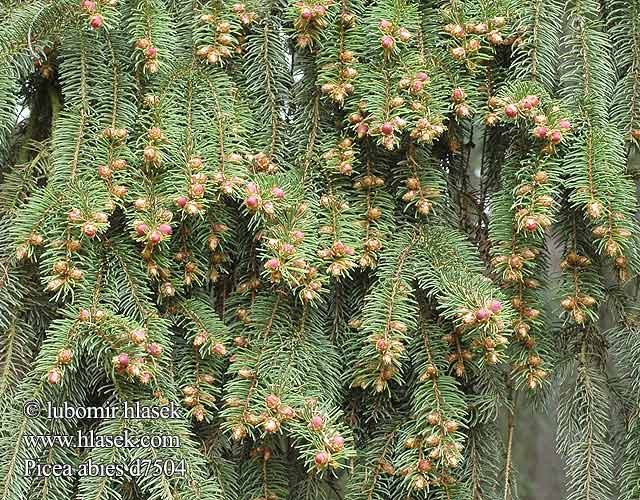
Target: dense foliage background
[(362, 243)]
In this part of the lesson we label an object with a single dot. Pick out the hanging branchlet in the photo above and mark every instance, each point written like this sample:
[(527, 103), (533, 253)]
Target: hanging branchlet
[(625, 110), (310, 19), (522, 212), (218, 35), (149, 29), (598, 157), (327, 233), (474, 33), (424, 187), (338, 52), (430, 448), (480, 314), (386, 329)]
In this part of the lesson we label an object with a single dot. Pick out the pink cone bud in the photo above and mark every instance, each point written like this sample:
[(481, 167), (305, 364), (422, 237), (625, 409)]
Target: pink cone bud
[(151, 52), (89, 230), (277, 192), (339, 248), (181, 201), (155, 237), (65, 356), (219, 349), (252, 202), (95, 21), (287, 412), (399, 121), (104, 171), (140, 204), (511, 110), (387, 42), (531, 224), (141, 229), (458, 53), (271, 425), (564, 124), (482, 314), (385, 25), (321, 458), (457, 95), (123, 360), (197, 190), (138, 336), (362, 129), (386, 128), (273, 264), (556, 136), (540, 119), (337, 443), (319, 10), (540, 132), (54, 376), (288, 249), (404, 34), (273, 401), (165, 229), (154, 349), (346, 168), (119, 191), (316, 422), (495, 306), (422, 76), (101, 217)]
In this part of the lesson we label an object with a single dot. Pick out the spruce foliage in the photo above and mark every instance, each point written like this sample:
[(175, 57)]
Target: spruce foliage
[(355, 241)]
